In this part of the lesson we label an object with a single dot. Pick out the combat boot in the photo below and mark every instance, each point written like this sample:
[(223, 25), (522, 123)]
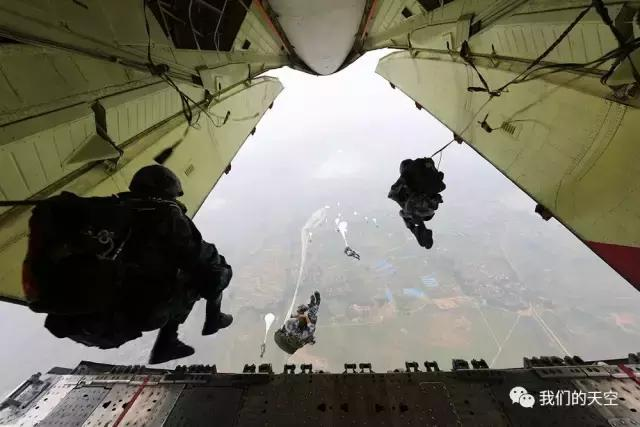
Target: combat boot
[(168, 347)]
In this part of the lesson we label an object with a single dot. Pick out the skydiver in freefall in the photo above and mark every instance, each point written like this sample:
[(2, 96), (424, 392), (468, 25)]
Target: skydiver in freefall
[(417, 191)]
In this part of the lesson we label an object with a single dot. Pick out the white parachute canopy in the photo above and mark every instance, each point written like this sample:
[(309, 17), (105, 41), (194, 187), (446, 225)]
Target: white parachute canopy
[(268, 321)]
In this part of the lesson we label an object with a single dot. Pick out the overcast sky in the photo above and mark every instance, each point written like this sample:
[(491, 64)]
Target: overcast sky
[(347, 126), (356, 111)]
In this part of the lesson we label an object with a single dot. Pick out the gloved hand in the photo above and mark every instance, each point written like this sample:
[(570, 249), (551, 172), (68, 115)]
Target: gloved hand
[(315, 298)]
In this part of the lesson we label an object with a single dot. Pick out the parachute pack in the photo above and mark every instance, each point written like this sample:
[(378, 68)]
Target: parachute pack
[(73, 263), (288, 343)]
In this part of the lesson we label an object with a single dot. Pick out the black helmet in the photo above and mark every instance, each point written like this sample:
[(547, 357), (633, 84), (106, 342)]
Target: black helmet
[(405, 165), (156, 180)]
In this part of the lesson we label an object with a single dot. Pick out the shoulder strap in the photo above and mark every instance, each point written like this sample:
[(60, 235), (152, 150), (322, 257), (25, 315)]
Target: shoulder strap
[(149, 204)]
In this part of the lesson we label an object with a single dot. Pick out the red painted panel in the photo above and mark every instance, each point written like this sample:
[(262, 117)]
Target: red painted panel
[(624, 259)]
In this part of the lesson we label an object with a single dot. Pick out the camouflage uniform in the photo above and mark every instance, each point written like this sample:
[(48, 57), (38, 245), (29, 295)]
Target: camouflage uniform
[(292, 336), (305, 334)]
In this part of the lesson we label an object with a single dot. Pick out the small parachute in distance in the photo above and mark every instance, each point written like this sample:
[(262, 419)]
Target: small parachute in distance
[(268, 321), (342, 227)]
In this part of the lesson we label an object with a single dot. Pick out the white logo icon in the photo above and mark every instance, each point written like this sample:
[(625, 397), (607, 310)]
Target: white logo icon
[(521, 396), (527, 401)]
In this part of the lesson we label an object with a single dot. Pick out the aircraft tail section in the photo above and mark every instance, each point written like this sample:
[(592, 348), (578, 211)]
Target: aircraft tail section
[(141, 125), (547, 108)]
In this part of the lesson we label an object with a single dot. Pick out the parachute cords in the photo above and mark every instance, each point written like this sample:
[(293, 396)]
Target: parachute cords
[(604, 15), (465, 54), (162, 70), (623, 51), (456, 136)]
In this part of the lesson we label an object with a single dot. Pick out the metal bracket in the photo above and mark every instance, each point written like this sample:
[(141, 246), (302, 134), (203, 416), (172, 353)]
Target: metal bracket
[(249, 369), (349, 366), (289, 369), (479, 364), (134, 369), (202, 369), (458, 364), (366, 366), (542, 361), (411, 366), (265, 368), (431, 366), (575, 360), (306, 368)]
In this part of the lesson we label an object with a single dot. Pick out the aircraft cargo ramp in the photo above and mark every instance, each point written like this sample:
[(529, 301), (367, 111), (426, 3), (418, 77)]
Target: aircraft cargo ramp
[(563, 392)]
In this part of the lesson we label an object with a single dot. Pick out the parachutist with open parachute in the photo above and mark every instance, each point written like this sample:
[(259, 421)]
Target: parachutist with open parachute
[(300, 328)]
